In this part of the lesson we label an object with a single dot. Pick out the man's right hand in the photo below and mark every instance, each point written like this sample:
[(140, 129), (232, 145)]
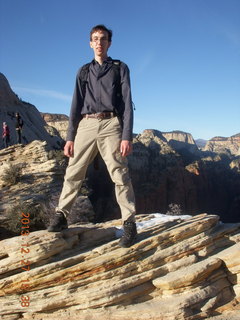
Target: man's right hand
[(69, 149)]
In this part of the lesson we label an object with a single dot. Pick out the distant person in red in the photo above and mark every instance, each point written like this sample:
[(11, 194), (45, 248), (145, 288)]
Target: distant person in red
[(19, 125), (6, 135)]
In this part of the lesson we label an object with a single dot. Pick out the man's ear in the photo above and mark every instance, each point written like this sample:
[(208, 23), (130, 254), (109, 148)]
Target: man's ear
[(91, 45)]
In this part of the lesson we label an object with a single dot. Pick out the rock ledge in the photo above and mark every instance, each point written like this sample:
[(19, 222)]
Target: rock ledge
[(179, 269)]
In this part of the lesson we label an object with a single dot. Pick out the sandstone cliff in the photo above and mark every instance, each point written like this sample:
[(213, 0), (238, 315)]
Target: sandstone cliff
[(224, 145), (179, 269), (34, 128)]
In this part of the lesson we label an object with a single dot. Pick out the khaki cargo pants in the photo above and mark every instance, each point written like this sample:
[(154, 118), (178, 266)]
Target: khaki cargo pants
[(95, 135)]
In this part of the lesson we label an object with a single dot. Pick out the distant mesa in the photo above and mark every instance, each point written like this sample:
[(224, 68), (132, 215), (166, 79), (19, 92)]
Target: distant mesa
[(50, 117), (224, 145), (57, 121)]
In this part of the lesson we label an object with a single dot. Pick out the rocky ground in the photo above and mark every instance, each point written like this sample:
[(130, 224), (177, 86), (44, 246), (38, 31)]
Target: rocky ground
[(180, 269)]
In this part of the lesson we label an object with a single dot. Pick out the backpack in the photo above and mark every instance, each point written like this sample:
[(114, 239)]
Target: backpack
[(116, 68)]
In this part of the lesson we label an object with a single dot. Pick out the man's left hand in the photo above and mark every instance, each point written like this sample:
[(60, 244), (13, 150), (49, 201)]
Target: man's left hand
[(125, 147)]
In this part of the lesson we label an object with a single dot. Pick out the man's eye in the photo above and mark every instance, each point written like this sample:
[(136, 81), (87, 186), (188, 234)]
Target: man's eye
[(99, 39)]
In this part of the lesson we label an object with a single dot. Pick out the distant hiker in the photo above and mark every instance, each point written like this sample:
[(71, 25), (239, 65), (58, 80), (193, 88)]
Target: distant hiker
[(6, 135), (101, 120), (19, 125)]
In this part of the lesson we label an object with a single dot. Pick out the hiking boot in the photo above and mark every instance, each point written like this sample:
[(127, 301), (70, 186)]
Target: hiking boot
[(59, 223), (129, 234)]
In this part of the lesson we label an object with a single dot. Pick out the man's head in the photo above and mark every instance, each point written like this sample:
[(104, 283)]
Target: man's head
[(100, 41), (102, 28)]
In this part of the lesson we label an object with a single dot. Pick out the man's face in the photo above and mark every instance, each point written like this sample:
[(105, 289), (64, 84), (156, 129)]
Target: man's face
[(100, 43)]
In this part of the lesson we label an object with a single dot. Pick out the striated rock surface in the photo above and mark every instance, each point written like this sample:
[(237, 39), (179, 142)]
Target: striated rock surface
[(34, 127), (179, 269), (224, 145)]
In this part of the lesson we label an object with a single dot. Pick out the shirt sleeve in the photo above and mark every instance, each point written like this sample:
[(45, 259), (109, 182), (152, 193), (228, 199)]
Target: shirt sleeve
[(76, 108), (127, 117)]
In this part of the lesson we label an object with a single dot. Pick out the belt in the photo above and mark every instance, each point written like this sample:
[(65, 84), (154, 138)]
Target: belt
[(100, 115)]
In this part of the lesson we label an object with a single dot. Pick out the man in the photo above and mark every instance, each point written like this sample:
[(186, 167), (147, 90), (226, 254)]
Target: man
[(19, 125), (102, 122)]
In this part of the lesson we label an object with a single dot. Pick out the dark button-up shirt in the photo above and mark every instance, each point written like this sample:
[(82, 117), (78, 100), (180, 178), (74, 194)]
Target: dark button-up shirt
[(101, 95)]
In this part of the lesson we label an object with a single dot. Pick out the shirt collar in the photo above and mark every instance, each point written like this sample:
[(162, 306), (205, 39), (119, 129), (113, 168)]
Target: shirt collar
[(108, 60)]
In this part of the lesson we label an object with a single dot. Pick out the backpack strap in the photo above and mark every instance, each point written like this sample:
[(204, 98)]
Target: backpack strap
[(116, 65), (116, 62), (83, 77), (116, 69)]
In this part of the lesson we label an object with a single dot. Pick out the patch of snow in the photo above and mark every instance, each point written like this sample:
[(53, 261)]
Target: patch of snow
[(158, 219)]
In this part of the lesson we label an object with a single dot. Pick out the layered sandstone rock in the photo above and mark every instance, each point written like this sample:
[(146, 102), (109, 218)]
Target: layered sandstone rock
[(229, 145), (179, 269), (34, 127)]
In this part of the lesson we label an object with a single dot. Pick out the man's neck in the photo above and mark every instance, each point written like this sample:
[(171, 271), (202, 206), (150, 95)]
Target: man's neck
[(100, 59)]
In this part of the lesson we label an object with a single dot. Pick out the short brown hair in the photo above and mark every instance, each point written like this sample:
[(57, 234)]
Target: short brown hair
[(102, 28)]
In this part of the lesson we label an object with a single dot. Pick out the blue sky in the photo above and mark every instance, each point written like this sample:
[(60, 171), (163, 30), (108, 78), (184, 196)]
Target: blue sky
[(184, 57)]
